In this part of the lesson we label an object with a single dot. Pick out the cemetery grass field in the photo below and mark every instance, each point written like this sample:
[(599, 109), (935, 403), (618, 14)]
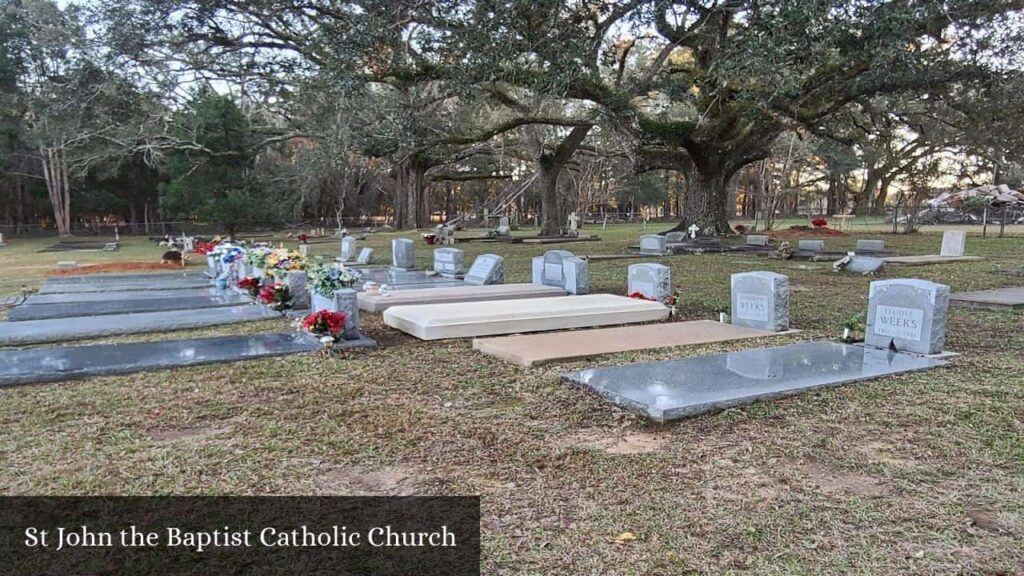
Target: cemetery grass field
[(921, 473)]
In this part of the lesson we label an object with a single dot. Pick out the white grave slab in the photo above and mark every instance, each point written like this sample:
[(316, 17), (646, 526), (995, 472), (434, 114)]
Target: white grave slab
[(465, 320), (492, 292)]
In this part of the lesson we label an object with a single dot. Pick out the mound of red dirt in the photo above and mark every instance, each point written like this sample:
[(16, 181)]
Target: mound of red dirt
[(805, 233), (114, 267)]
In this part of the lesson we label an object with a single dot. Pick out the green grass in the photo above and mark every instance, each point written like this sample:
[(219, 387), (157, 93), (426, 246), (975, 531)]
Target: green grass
[(873, 478)]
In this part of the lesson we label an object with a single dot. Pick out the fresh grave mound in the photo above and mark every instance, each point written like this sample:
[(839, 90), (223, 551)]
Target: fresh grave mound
[(113, 267), (804, 232)]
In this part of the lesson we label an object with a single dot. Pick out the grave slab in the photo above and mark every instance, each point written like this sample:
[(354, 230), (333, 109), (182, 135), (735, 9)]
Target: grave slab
[(68, 297), (536, 349), (664, 391), (125, 306), (490, 292), (172, 284), (125, 278), (404, 279), (81, 328), (928, 259), (468, 319), (39, 365), (997, 299)]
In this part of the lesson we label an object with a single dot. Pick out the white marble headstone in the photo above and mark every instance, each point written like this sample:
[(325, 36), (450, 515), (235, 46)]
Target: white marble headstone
[(653, 244), (449, 262), (486, 269), (652, 280)]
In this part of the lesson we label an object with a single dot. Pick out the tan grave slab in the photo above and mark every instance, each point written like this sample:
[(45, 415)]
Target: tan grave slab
[(469, 319), (422, 296), (538, 349), (996, 299), (926, 259)]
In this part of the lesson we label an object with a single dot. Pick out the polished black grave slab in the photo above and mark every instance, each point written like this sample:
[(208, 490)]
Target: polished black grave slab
[(34, 365), (675, 389), (81, 328), (125, 306)]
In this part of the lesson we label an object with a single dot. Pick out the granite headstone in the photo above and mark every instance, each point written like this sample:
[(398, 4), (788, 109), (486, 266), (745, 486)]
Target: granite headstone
[(486, 269), (908, 315), (761, 300), (652, 244), (449, 262), (403, 254), (653, 281), (954, 243)]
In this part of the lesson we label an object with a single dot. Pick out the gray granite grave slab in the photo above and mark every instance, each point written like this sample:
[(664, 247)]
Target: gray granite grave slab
[(870, 245), (27, 366), (675, 237), (67, 297), (760, 300), (126, 278), (486, 269), (81, 328), (954, 243), (125, 306), (403, 254), (674, 389), (907, 314), (173, 284), (996, 299), (757, 240), (404, 279), (811, 245), (654, 281)]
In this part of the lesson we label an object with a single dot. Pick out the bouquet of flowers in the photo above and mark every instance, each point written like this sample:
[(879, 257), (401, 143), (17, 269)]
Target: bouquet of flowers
[(277, 296), (281, 261), (819, 222), (204, 248), (325, 323), (228, 252), (257, 256), (639, 296), (250, 285), (325, 278)]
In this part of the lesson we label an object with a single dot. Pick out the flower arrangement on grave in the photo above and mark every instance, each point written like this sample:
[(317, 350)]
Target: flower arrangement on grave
[(640, 296), (740, 229), (280, 262), (204, 248), (324, 278), (853, 327), (251, 285), (257, 256), (819, 222), (228, 252), (325, 323), (277, 296), (303, 238)]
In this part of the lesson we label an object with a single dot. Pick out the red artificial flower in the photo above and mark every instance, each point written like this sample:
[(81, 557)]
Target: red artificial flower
[(267, 293), (639, 296), (204, 248), (819, 222), (303, 238), (325, 322), (248, 283)]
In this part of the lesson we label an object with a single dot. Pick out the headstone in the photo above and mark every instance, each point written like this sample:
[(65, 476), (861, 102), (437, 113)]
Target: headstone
[(486, 269), (2, 243), (110, 247), (346, 302), (859, 264), (693, 229), (675, 237), (756, 240), (811, 245), (653, 244), (504, 229), (296, 282), (574, 224), (365, 256), (761, 300), (348, 248), (403, 254), (547, 269), (654, 281), (577, 275), (503, 222), (449, 262), (66, 264), (304, 250), (870, 245), (954, 243), (212, 265), (907, 314)]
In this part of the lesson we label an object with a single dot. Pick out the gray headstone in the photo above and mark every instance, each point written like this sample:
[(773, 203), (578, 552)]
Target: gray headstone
[(864, 264), (2, 243), (345, 301), (503, 222), (761, 300), (537, 270), (549, 271), (365, 256), (449, 262), (577, 275), (651, 280), (652, 244), (348, 248), (812, 245), (870, 245), (954, 243), (486, 269), (296, 282), (909, 314), (675, 237), (755, 240), (403, 253)]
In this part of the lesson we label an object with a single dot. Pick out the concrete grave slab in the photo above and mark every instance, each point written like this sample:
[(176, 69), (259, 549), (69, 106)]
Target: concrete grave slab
[(404, 279), (536, 349), (125, 306), (664, 391), (468, 293), (38, 365), (928, 259), (996, 299), (81, 328), (464, 320)]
